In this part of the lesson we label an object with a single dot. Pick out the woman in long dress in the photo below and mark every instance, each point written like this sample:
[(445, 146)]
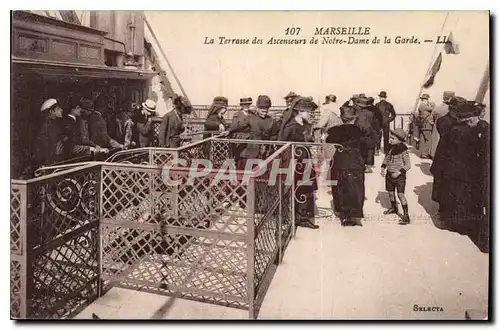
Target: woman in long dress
[(348, 168), (294, 129)]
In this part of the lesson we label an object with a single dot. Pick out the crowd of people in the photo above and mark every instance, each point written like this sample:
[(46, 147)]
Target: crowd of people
[(85, 127), (452, 134)]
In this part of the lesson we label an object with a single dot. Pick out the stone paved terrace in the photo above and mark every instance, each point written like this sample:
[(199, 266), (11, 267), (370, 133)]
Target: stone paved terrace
[(378, 271)]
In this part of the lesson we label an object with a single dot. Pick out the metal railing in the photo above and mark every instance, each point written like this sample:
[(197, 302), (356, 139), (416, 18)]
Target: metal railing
[(54, 240), (82, 228)]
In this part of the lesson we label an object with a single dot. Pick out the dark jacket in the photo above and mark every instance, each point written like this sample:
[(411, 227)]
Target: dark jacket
[(212, 124), (73, 145), (260, 129), (145, 131), (240, 128), (443, 125), (386, 111), (171, 127), (98, 130), (462, 162), (367, 123), (350, 137), (48, 145), (85, 132)]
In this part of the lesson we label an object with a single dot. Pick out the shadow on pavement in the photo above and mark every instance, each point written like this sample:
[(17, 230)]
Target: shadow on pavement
[(479, 235), (424, 194), (425, 168), (383, 199), (162, 311)]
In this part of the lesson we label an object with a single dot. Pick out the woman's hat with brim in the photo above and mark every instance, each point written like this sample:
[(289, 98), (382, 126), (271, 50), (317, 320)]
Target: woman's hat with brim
[(149, 105), (399, 133), (246, 101), (348, 113), (462, 109), (264, 102), (183, 104), (220, 100), (304, 104), (290, 95), (363, 102)]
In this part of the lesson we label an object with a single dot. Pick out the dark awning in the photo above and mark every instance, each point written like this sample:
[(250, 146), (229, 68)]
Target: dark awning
[(52, 68)]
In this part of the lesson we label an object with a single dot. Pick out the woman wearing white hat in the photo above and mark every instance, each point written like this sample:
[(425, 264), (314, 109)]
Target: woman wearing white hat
[(145, 123), (48, 146)]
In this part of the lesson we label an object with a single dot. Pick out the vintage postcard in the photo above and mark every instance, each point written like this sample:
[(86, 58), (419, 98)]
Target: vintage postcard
[(305, 165)]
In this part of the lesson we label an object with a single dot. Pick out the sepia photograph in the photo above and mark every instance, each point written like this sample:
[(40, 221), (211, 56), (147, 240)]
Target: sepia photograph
[(250, 165)]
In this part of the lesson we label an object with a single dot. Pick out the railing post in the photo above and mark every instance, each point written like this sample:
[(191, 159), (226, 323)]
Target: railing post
[(251, 247), (292, 195), (280, 222), (100, 240), (23, 292)]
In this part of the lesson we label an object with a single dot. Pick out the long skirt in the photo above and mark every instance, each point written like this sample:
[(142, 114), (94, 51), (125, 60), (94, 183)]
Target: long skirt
[(349, 193), (460, 205), (434, 141), (425, 142)]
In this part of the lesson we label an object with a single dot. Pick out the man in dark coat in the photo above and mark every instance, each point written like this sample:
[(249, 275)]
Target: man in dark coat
[(49, 142), (289, 98), (348, 168), (172, 125), (387, 115), (367, 123), (262, 127), (240, 127), (98, 128), (74, 145)]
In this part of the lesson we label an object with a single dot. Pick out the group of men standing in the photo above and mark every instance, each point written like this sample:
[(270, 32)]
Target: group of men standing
[(86, 127), (373, 120)]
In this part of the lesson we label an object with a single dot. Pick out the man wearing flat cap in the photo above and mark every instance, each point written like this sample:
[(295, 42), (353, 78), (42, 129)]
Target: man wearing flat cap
[(98, 128), (388, 115), (261, 126), (440, 111), (240, 126), (172, 124)]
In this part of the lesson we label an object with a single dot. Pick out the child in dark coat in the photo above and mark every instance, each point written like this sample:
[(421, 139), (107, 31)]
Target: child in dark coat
[(394, 167)]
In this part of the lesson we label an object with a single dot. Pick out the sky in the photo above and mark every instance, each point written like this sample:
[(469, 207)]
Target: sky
[(234, 71)]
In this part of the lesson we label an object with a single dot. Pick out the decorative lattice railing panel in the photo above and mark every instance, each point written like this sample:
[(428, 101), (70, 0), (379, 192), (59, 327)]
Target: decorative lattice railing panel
[(172, 262), (59, 268), (62, 204), (16, 292), (66, 276), (16, 237)]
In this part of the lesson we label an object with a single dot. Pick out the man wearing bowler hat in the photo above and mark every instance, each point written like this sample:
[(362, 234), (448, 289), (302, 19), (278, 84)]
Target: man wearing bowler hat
[(387, 114)]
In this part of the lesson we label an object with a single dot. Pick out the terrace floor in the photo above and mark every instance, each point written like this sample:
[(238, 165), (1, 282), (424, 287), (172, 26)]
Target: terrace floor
[(378, 271)]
